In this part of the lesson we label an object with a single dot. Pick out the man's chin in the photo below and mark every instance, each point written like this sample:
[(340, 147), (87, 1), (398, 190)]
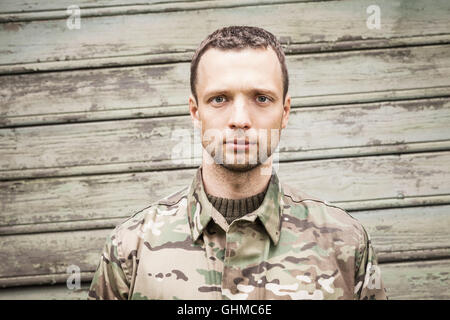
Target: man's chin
[(240, 167)]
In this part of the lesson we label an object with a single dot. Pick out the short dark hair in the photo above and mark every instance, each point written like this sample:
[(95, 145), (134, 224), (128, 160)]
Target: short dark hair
[(239, 37)]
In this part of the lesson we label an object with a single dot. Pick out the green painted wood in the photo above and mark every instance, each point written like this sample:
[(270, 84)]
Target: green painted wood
[(403, 228), (50, 254), (136, 34), (48, 292), (417, 280), (130, 6), (32, 209), (328, 78), (346, 180), (43, 5)]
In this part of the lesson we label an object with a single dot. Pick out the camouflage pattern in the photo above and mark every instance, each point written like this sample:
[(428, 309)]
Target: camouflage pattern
[(293, 246)]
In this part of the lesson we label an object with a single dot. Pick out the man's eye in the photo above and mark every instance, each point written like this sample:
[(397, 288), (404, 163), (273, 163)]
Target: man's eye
[(221, 99), (265, 99)]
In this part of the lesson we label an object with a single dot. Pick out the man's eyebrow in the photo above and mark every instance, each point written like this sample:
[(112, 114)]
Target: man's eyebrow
[(215, 92), (266, 91), (253, 90)]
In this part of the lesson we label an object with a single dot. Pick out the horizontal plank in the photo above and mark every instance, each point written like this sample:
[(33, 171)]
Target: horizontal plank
[(148, 59), (397, 234), (20, 11), (21, 6), (45, 279), (417, 280), (47, 292), (163, 89), (402, 229), (75, 225), (406, 281), (387, 179), (171, 142), (319, 21), (49, 254), (104, 196)]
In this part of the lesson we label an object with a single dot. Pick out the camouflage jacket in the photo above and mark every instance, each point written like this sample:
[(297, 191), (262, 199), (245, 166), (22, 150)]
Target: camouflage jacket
[(292, 247)]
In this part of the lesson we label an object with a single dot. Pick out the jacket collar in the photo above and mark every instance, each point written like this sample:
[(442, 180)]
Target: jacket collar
[(200, 210)]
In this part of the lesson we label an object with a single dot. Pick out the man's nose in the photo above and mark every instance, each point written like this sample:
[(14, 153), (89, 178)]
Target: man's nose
[(240, 117)]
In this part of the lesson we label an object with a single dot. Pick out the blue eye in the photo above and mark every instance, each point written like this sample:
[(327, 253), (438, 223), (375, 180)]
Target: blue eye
[(266, 98), (220, 97)]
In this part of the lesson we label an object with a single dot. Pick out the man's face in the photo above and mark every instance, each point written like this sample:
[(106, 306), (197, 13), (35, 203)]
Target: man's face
[(240, 109)]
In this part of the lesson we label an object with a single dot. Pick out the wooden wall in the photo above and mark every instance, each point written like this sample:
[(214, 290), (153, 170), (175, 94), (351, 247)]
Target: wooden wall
[(89, 117)]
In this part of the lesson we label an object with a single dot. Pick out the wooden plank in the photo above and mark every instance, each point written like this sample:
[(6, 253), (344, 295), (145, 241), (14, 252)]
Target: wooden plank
[(44, 5), (148, 59), (349, 181), (114, 196), (317, 21), (133, 6), (406, 281), (417, 280), (44, 279), (44, 257), (324, 132), (328, 78), (50, 254), (399, 229), (48, 292)]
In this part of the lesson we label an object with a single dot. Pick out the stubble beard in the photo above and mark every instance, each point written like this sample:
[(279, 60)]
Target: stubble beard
[(239, 167)]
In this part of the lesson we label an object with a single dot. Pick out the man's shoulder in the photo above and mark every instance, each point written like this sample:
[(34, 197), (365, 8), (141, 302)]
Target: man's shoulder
[(321, 213), (152, 218)]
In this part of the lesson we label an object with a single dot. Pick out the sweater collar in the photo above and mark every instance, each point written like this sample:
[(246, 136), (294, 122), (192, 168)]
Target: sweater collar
[(201, 211)]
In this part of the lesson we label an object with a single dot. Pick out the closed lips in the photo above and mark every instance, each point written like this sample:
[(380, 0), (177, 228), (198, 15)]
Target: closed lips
[(239, 142)]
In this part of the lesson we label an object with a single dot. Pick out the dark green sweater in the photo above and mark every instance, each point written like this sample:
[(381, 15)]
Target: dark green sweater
[(235, 208)]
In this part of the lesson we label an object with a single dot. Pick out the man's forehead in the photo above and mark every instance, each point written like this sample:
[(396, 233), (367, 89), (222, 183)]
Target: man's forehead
[(217, 56), (216, 67)]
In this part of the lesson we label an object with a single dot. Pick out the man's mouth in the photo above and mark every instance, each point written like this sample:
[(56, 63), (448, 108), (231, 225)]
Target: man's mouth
[(238, 144)]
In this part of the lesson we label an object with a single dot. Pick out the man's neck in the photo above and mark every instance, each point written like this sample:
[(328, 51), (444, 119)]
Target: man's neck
[(224, 183)]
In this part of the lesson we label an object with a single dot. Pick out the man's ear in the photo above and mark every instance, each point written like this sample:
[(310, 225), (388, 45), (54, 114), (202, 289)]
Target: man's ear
[(286, 111), (193, 110)]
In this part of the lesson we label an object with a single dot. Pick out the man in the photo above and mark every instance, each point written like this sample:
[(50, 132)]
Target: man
[(237, 232)]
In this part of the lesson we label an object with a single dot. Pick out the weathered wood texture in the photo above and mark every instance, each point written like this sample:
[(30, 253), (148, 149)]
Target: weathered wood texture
[(307, 22), (44, 5), (47, 292), (418, 280), (369, 129), (411, 229), (157, 90), (411, 280), (14, 8)]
